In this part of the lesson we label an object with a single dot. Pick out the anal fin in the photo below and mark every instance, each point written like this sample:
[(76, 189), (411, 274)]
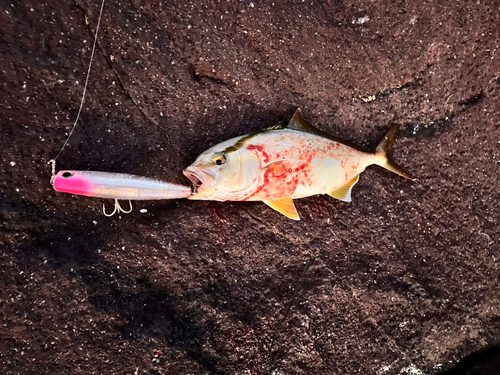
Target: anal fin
[(344, 193), (284, 206)]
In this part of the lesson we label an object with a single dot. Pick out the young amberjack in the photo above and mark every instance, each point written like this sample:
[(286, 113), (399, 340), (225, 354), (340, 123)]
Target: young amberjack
[(279, 164)]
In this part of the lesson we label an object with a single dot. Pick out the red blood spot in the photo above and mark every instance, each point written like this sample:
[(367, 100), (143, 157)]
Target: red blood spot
[(260, 149), (277, 182), (279, 168), (217, 214), (260, 187), (281, 178)]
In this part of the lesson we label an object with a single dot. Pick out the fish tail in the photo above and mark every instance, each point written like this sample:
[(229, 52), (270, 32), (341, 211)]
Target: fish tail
[(382, 151)]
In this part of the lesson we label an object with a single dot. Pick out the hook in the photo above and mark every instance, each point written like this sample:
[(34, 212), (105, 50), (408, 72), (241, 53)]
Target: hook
[(117, 209)]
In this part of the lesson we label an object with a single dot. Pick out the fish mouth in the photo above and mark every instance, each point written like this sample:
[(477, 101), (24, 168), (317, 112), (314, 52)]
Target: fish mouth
[(199, 178)]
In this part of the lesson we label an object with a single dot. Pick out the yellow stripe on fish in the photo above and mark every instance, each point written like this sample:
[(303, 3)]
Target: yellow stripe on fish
[(280, 164)]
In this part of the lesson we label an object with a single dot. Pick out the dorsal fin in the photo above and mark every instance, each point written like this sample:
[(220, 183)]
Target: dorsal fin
[(300, 124)]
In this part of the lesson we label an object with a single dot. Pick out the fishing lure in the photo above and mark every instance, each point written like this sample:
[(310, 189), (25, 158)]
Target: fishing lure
[(117, 186)]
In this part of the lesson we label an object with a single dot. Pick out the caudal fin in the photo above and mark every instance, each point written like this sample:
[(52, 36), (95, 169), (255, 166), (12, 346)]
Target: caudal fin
[(382, 153)]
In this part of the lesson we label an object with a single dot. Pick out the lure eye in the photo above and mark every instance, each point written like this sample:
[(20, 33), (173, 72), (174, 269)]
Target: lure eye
[(219, 159), (68, 174)]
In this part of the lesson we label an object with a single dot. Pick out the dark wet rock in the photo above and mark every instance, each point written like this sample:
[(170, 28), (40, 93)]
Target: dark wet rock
[(404, 280)]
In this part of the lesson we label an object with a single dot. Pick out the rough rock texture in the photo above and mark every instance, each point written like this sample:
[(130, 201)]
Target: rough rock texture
[(404, 280)]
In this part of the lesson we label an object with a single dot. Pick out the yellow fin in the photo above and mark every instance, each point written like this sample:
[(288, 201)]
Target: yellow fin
[(344, 193), (284, 206)]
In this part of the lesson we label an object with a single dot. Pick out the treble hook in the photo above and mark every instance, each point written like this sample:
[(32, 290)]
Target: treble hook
[(117, 209)]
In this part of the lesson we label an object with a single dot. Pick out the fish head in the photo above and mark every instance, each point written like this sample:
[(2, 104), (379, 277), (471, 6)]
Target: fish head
[(224, 172)]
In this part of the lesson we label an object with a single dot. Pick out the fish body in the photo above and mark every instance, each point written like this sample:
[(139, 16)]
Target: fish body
[(279, 164), (285, 163)]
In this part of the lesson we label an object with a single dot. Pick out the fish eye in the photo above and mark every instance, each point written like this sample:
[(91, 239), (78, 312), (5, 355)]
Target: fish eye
[(219, 159), (68, 174)]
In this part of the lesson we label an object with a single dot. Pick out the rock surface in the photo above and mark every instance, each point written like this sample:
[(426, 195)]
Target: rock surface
[(404, 280)]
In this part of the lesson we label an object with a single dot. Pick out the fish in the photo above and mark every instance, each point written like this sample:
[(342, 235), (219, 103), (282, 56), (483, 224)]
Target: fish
[(282, 163)]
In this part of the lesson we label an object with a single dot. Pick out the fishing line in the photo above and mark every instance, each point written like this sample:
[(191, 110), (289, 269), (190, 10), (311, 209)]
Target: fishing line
[(53, 161)]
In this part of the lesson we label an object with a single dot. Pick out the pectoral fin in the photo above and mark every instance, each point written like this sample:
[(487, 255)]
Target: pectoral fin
[(284, 206), (344, 193)]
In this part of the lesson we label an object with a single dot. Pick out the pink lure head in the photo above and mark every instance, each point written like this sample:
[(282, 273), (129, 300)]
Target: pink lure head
[(71, 182)]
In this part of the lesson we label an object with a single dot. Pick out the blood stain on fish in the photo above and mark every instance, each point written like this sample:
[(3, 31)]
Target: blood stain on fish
[(258, 148)]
